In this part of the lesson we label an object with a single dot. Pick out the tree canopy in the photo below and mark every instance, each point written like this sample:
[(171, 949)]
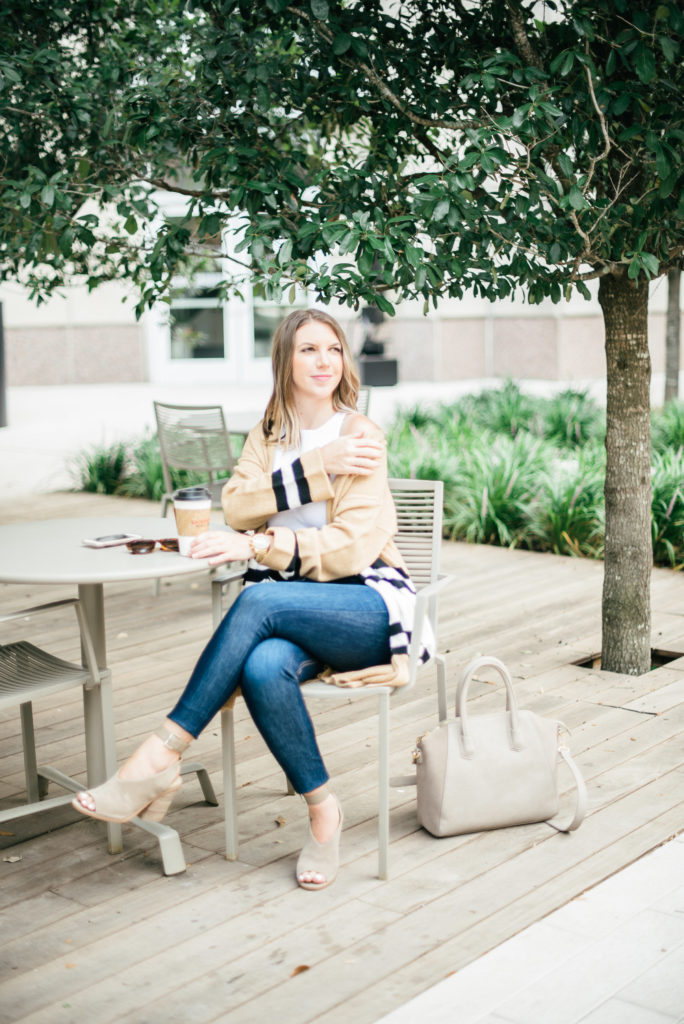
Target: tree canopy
[(369, 150)]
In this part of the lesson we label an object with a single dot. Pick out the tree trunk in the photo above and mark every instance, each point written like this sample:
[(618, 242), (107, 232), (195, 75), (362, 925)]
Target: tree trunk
[(626, 645), (672, 336)]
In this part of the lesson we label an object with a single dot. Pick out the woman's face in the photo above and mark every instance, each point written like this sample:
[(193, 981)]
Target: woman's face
[(317, 361)]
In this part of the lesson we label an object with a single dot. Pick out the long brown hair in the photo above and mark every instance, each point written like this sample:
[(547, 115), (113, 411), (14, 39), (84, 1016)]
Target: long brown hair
[(281, 423)]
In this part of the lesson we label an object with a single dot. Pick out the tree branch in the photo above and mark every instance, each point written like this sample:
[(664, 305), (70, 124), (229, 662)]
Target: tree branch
[(381, 85), (604, 128), (521, 38)]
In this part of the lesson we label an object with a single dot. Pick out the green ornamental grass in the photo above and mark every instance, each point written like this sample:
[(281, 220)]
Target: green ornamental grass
[(518, 471), (667, 427), (667, 507), (102, 469)]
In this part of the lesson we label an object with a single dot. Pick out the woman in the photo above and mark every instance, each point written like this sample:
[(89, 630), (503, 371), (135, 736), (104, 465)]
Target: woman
[(312, 483)]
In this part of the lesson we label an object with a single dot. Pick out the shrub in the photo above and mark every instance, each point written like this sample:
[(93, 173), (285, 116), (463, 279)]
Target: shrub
[(101, 470), (488, 501), (667, 426), (504, 411), (145, 478), (430, 452), (667, 508), (571, 419), (568, 517)]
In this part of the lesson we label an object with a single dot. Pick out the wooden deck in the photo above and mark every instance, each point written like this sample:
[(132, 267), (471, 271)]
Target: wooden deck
[(88, 936)]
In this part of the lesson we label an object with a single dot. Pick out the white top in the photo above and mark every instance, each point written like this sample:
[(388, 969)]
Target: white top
[(315, 512)]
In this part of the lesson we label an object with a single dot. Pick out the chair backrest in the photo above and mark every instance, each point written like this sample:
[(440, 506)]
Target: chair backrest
[(193, 437), (419, 517), (363, 400)]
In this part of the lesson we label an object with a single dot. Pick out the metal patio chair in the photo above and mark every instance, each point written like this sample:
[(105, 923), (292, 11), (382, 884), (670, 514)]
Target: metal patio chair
[(419, 514), (27, 673), (363, 400), (196, 438)]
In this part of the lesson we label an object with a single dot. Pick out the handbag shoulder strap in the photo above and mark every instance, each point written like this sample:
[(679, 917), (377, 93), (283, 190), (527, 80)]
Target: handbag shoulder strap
[(581, 797)]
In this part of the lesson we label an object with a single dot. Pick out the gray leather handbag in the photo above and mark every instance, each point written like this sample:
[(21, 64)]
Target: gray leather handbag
[(491, 770)]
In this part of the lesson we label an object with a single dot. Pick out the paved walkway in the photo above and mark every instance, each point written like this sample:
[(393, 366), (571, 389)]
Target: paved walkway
[(614, 955)]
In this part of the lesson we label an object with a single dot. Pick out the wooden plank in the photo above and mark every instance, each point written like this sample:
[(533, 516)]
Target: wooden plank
[(222, 941)]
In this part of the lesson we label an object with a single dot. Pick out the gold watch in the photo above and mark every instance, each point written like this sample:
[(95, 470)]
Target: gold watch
[(260, 544)]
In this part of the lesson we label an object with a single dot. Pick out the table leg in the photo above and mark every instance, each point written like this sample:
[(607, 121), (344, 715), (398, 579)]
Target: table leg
[(97, 705), (100, 740)]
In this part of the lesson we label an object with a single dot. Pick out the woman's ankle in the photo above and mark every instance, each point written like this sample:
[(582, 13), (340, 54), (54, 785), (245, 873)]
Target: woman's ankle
[(151, 758)]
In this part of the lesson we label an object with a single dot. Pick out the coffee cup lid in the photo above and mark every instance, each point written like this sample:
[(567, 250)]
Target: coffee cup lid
[(191, 494)]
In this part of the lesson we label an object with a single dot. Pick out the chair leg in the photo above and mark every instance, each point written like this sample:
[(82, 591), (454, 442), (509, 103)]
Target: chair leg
[(383, 786), (216, 603), (29, 744), (196, 767), (229, 781), (165, 502)]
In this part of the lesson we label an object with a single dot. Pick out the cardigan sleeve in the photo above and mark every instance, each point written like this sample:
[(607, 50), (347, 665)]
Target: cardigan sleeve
[(254, 493), (362, 522)]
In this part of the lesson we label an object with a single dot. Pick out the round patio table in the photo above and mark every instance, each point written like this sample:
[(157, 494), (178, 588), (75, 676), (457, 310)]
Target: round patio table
[(52, 552)]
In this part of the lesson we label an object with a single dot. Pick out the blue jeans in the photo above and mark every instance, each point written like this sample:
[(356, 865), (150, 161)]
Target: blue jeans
[(276, 636)]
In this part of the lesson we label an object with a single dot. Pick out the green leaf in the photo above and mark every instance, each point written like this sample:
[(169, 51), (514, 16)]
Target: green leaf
[(576, 199), (646, 66), (566, 164), (365, 261), (413, 255), (382, 303), (668, 47), (131, 225), (341, 44), (25, 200), (262, 97), (441, 209), (621, 103), (47, 195), (651, 263), (667, 186), (319, 9)]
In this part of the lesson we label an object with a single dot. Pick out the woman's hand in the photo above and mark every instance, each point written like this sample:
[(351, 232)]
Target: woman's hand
[(353, 455), (219, 546)]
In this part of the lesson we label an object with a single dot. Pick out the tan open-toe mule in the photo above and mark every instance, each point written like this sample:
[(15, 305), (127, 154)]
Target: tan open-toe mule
[(321, 858), (119, 800)]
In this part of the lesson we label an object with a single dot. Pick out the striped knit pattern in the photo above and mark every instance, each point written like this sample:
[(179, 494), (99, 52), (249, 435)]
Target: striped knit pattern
[(395, 588), (290, 486)]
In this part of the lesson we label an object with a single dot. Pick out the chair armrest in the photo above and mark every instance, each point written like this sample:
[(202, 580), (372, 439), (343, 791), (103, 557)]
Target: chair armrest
[(424, 597), (86, 639), (231, 575), (25, 612)]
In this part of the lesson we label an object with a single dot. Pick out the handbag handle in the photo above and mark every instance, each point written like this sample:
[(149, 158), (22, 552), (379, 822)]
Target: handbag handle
[(462, 696)]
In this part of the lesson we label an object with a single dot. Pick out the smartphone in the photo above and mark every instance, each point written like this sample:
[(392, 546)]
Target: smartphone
[(111, 540)]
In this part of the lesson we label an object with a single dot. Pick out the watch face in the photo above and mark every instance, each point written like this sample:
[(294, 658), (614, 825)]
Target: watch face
[(259, 542)]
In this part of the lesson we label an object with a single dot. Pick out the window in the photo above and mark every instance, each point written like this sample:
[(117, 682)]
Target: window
[(266, 317), (197, 323)]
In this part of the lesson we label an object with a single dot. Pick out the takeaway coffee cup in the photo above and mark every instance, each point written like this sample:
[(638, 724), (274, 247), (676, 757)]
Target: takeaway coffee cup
[(192, 508)]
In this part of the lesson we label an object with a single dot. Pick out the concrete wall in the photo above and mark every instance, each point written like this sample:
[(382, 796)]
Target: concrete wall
[(79, 339)]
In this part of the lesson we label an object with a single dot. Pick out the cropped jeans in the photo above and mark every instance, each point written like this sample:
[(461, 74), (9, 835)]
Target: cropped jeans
[(276, 636)]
